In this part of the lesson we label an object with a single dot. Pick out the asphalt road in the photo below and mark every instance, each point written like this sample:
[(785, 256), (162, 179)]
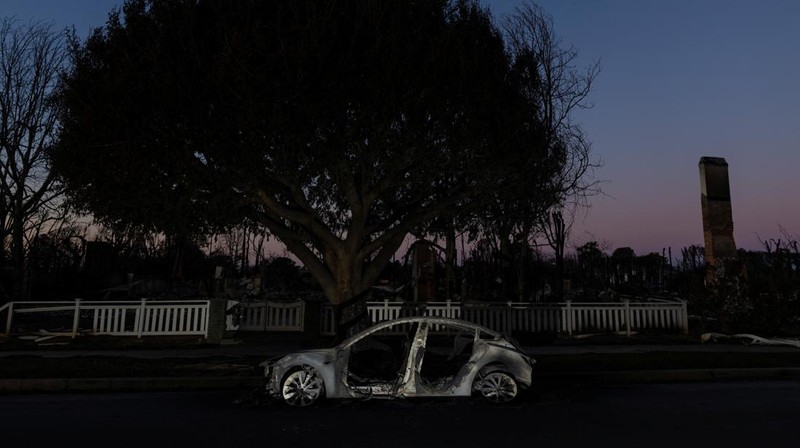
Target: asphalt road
[(744, 414)]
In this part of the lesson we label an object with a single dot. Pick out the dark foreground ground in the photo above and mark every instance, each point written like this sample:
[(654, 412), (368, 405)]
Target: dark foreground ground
[(128, 364), (730, 414), (113, 364), (120, 357)]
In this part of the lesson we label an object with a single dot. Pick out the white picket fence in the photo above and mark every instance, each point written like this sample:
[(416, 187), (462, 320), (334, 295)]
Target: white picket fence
[(147, 318), (272, 316), (582, 318), (566, 317), (118, 318)]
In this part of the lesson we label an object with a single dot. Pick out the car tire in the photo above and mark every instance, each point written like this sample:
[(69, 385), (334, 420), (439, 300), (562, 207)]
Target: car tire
[(496, 387), (302, 387)]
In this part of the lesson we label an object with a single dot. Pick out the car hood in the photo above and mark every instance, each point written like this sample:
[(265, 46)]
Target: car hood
[(315, 356)]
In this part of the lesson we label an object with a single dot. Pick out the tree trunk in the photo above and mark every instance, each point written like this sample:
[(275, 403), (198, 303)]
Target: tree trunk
[(346, 269), (450, 262), (345, 289), (506, 262), (339, 293), (177, 265), (520, 271), (20, 289), (245, 253), (560, 274), (558, 241)]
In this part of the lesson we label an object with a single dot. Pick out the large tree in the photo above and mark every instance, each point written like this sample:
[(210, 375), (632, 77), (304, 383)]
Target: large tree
[(339, 125), (31, 56), (554, 87)]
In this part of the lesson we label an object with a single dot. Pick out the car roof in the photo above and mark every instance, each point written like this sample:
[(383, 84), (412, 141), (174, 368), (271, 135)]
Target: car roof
[(428, 319)]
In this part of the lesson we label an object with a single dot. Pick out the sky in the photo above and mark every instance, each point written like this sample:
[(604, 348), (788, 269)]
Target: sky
[(679, 80)]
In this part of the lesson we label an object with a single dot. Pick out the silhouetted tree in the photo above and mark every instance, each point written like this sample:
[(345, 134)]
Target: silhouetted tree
[(556, 231), (340, 126), (622, 261), (561, 179), (557, 88), (31, 57), (591, 265), (651, 270)]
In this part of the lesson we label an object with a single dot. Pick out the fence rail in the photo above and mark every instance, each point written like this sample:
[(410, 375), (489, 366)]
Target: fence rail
[(118, 318), (566, 317), (146, 318)]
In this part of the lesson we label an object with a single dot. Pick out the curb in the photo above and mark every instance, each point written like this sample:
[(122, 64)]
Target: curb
[(155, 384), (147, 384), (624, 377)]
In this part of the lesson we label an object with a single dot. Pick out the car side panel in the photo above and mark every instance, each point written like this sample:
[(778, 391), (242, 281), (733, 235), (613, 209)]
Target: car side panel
[(484, 354)]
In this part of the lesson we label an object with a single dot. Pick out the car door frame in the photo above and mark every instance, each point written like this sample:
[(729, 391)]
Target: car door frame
[(413, 386), (379, 390)]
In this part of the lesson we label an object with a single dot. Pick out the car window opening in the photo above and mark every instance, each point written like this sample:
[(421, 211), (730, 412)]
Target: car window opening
[(379, 357), (447, 350)]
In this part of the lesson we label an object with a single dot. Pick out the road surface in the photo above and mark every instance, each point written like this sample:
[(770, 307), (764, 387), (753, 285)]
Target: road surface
[(670, 415)]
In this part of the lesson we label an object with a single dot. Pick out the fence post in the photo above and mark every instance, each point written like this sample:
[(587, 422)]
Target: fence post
[(215, 317), (684, 318), (386, 311), (141, 320), (76, 318), (627, 312), (569, 317), (302, 316), (8, 319), (265, 314)]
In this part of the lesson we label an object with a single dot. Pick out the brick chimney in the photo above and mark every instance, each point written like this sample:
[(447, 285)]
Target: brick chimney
[(715, 198)]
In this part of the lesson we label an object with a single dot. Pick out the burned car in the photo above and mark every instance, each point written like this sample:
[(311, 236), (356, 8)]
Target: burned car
[(407, 357)]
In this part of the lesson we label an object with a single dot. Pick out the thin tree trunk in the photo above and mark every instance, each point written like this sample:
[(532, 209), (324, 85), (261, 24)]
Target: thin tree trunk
[(177, 266), (450, 261), (506, 261), (19, 290)]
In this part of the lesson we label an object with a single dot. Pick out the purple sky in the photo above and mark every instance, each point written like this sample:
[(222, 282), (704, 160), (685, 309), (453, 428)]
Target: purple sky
[(680, 79), (683, 79)]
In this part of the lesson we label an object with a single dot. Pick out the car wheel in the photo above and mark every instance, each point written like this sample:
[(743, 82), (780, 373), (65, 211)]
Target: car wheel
[(497, 387), (302, 387)]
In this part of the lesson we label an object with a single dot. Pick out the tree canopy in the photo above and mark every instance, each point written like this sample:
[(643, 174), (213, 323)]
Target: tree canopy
[(339, 125)]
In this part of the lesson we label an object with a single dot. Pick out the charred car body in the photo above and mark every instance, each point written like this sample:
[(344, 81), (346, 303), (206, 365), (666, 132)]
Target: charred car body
[(408, 357)]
